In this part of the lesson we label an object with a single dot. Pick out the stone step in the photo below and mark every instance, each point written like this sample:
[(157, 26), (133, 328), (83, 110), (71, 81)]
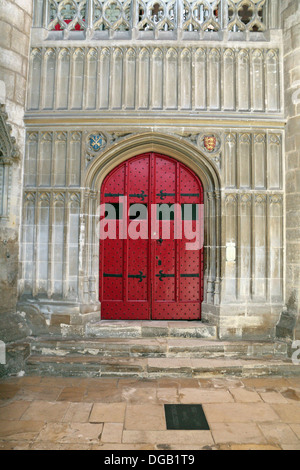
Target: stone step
[(146, 329), (157, 347), (89, 366)]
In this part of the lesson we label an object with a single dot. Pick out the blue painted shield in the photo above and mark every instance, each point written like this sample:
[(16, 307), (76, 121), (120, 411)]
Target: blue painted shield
[(97, 142)]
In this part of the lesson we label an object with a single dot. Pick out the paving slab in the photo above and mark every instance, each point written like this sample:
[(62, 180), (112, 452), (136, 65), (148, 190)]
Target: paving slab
[(288, 413), (108, 413), (282, 433), (238, 433), (168, 437), (112, 433), (71, 433), (13, 410), (245, 396), (78, 413), (241, 413), (40, 410), (145, 417), (190, 395)]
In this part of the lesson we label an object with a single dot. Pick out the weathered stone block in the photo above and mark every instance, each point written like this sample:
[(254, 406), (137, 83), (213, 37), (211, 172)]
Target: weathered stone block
[(12, 14), (293, 235), (290, 10), (11, 60), (293, 202), (155, 329), (20, 43), (16, 355), (20, 90), (293, 254), (13, 327), (60, 319), (295, 36), (295, 74), (293, 160), (5, 38), (35, 320), (26, 5)]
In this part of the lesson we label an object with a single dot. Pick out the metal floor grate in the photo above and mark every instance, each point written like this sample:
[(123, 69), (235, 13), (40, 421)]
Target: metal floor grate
[(186, 417)]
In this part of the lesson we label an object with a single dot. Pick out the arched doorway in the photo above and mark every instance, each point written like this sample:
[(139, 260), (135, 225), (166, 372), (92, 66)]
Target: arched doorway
[(151, 243)]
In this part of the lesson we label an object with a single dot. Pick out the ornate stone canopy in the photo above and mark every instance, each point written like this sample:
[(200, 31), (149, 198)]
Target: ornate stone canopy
[(9, 152), (8, 155)]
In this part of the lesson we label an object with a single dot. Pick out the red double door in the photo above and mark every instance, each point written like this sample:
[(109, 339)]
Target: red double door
[(151, 250)]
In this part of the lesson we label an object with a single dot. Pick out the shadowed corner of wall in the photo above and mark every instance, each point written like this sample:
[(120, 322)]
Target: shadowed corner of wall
[(288, 326)]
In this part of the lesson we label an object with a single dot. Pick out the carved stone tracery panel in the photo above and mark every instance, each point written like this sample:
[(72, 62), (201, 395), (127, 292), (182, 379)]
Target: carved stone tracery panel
[(157, 15)]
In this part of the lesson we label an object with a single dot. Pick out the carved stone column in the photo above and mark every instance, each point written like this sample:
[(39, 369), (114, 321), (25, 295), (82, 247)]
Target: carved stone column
[(210, 254), (89, 253), (218, 247)]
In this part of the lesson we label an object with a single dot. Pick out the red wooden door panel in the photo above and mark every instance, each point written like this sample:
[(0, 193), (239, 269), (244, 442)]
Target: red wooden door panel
[(124, 261), (146, 270)]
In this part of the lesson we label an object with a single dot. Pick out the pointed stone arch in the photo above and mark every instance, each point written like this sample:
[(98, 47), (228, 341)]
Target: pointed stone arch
[(203, 167)]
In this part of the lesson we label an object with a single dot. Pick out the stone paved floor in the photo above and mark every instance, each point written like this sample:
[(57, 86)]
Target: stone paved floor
[(127, 414)]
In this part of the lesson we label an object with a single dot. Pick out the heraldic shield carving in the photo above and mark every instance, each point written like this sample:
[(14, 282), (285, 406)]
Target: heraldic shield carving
[(97, 142), (210, 143)]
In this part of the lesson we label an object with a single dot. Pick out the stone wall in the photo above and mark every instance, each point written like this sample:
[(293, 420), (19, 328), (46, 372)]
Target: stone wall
[(15, 26), (163, 93), (291, 27)]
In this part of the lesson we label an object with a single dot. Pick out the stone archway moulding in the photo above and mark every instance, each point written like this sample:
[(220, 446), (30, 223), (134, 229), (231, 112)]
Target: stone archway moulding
[(180, 150), (169, 145)]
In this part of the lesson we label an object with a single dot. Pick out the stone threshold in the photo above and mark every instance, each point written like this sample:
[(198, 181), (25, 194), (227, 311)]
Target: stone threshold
[(123, 329), (158, 367), (157, 347)]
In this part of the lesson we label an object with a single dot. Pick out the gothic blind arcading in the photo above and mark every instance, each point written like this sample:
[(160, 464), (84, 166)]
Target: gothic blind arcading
[(166, 78)]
